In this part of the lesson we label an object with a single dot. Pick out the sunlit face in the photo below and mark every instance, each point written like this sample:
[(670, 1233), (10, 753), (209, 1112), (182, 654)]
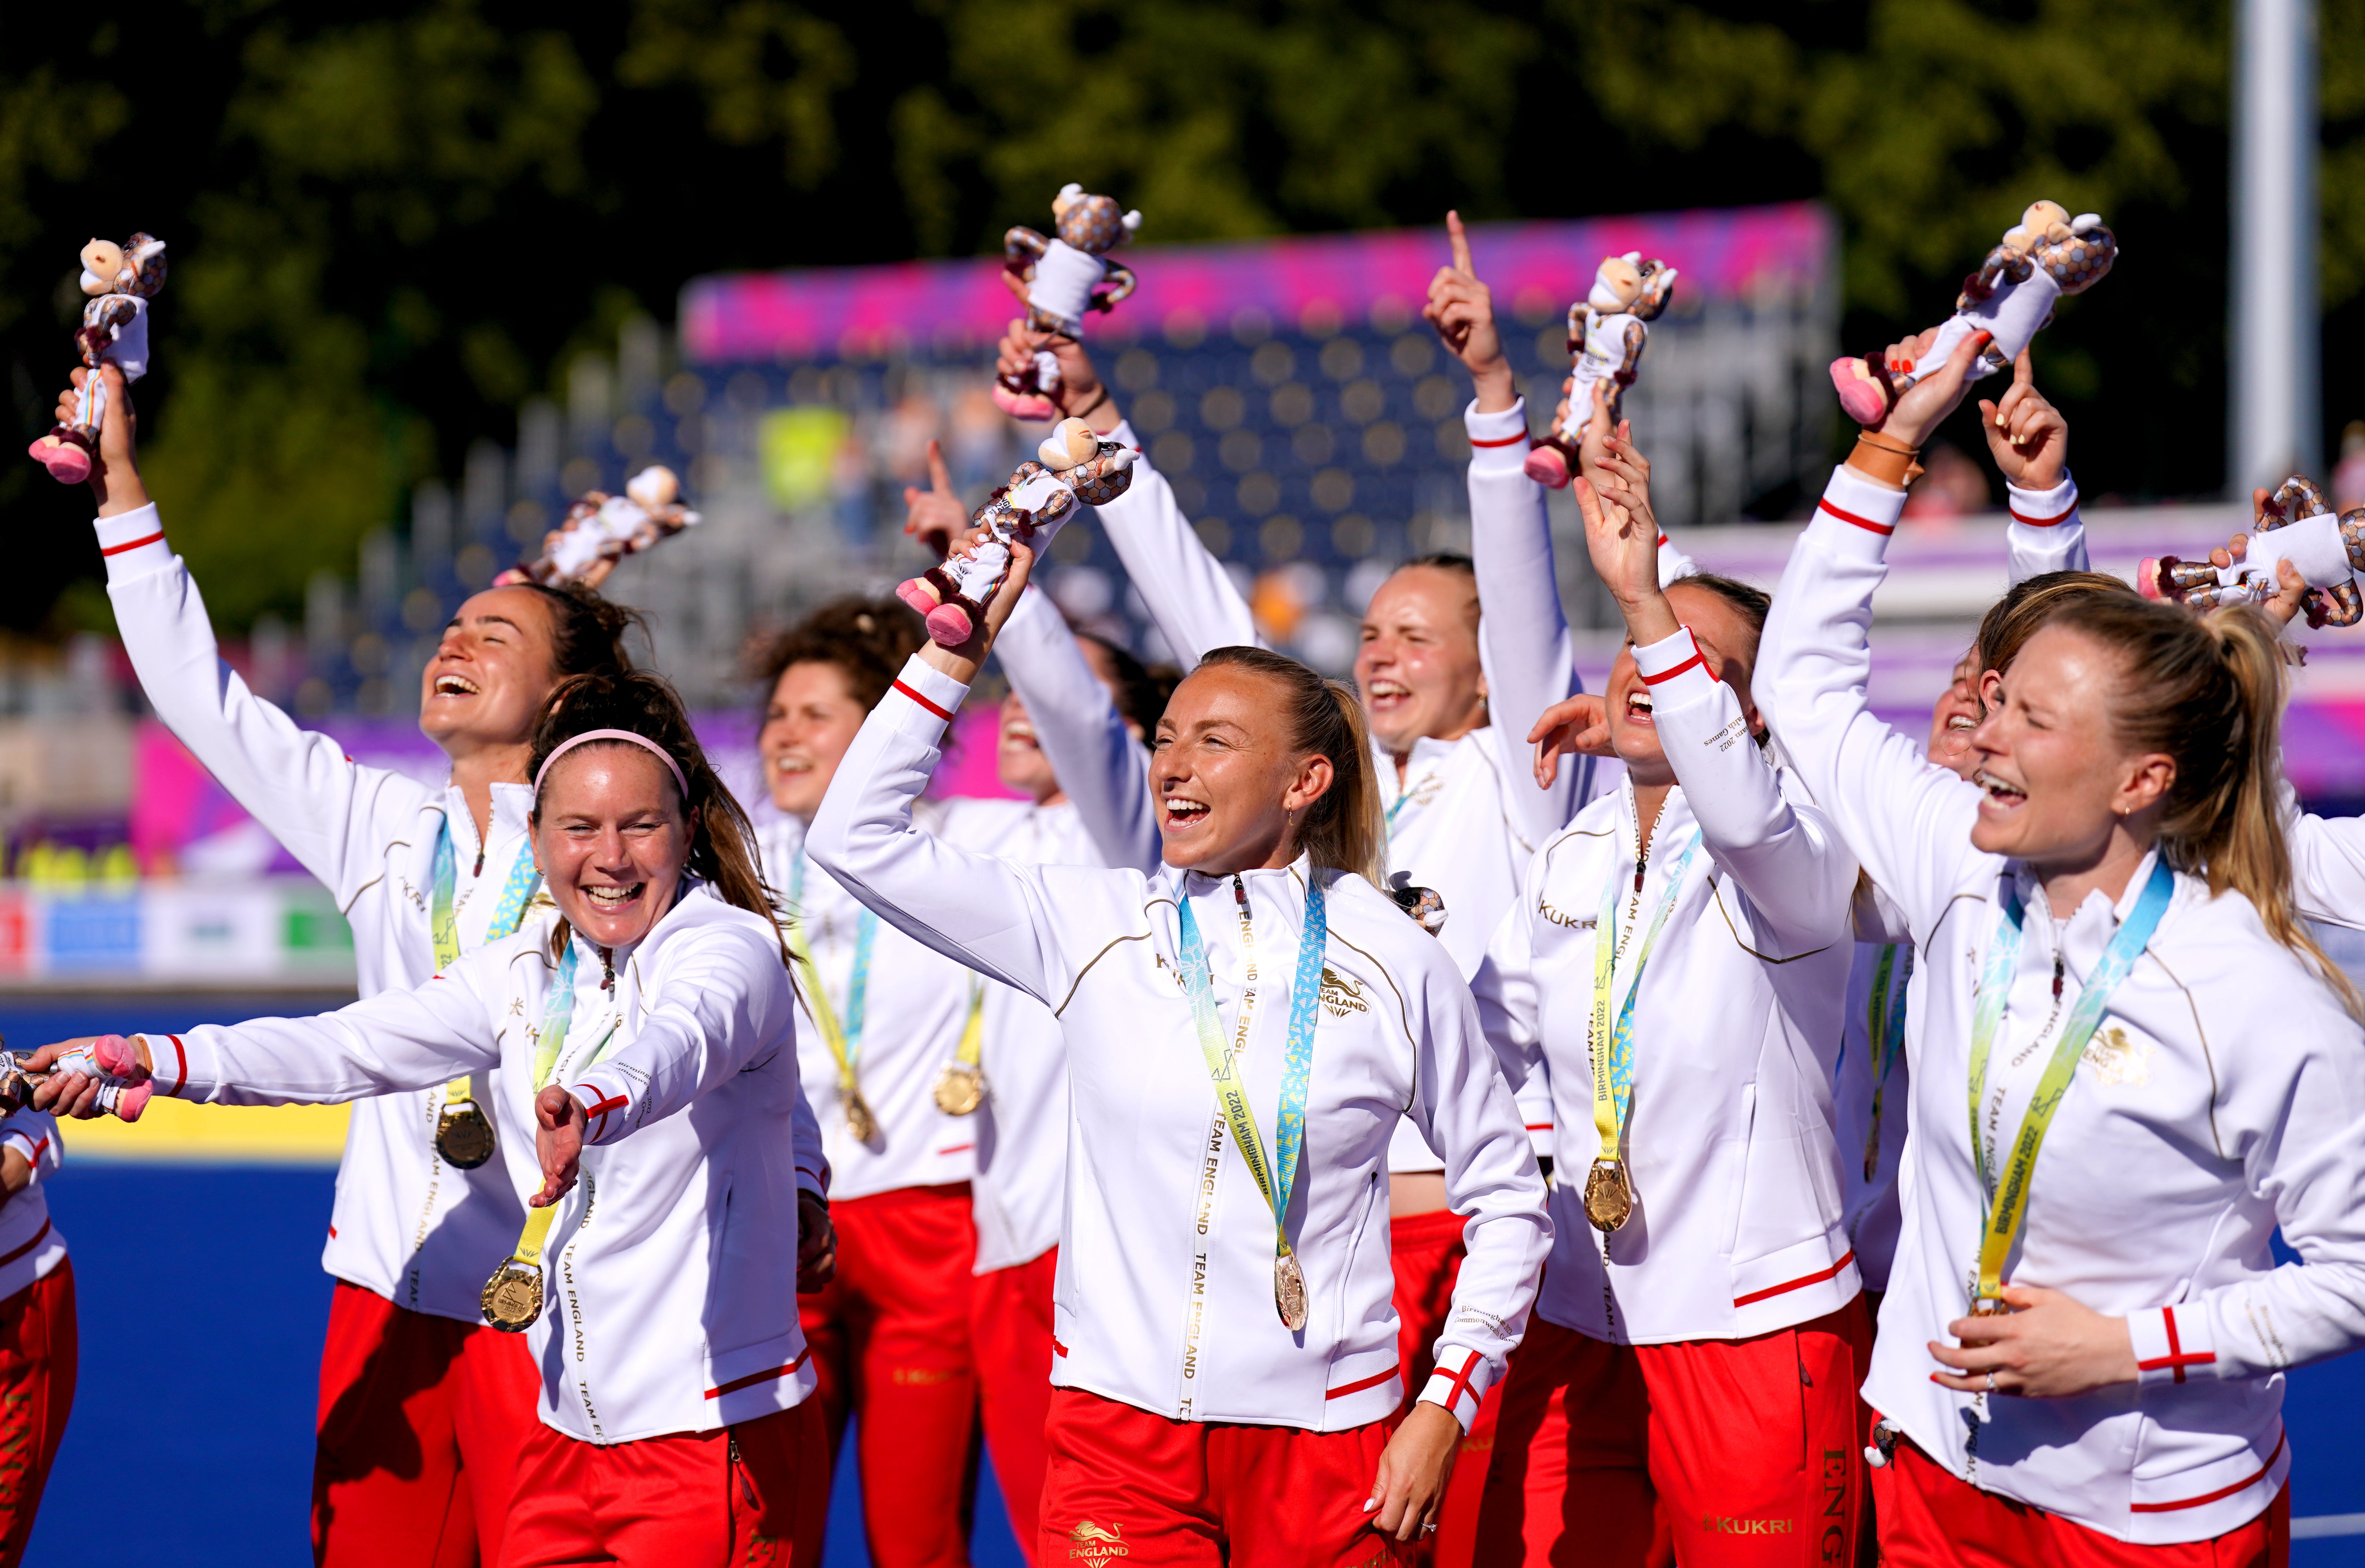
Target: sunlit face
[(808, 724), (1954, 715), (1418, 668), (2054, 778), (611, 839), (490, 672), (1728, 644), (1229, 785), (1018, 756)]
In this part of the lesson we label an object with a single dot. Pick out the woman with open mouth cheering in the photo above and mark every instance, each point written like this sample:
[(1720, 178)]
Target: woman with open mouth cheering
[(647, 1043), (2129, 1067), (1245, 1029)]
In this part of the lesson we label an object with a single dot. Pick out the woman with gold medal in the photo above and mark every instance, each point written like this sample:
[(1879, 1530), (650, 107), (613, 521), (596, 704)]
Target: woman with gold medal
[(2085, 1333), (1245, 1029), (649, 1114), (1677, 960), (943, 1096)]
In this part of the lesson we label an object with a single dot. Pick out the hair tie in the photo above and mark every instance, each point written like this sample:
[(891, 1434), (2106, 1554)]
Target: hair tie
[(642, 742)]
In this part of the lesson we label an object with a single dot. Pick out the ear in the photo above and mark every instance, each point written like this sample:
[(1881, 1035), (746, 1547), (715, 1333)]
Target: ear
[(1990, 690), (1314, 780), (2145, 784)]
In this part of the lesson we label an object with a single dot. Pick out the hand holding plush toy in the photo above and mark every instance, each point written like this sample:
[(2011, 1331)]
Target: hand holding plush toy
[(2048, 254), (1061, 279), (600, 530), (120, 281), (1606, 335), (1076, 466), (2296, 524)]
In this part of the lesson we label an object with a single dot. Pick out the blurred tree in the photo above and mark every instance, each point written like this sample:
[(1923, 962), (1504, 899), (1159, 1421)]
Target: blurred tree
[(392, 220)]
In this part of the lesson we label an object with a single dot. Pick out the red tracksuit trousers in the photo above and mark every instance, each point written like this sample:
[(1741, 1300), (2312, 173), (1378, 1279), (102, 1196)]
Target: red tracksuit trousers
[(38, 1350), (1010, 1331)]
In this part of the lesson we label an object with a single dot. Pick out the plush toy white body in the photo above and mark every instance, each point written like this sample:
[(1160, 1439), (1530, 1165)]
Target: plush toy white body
[(121, 280), (1608, 330), (601, 530), (2327, 550), (1062, 278)]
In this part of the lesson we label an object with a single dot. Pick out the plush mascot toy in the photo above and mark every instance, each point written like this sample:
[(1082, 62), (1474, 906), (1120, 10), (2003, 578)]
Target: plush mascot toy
[(120, 281), (1607, 334), (600, 530), (2296, 525), (2046, 255), (1076, 466), (1062, 278)]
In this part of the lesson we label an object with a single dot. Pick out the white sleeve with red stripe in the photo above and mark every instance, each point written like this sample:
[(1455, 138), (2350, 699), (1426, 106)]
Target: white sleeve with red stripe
[(1509, 1009), (981, 911), (1906, 820), (396, 1040), (34, 1134), (723, 999), (1523, 640), (1789, 860), (2047, 533), (327, 810), (2172, 1344), (1190, 596)]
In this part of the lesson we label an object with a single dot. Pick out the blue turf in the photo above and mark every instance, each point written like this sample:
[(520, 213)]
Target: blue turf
[(203, 1307)]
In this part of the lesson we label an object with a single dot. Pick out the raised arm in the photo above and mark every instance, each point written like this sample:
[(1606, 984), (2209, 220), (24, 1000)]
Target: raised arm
[(1523, 640), (1191, 598), (1100, 764), (2030, 443), (1798, 877), (1464, 1106), (299, 784)]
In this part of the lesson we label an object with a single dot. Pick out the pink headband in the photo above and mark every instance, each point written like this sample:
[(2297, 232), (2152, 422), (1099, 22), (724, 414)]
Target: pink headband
[(627, 736)]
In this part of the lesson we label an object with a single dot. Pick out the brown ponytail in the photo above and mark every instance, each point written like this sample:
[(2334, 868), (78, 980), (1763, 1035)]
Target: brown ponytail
[(2207, 691), (1345, 829), (723, 841)]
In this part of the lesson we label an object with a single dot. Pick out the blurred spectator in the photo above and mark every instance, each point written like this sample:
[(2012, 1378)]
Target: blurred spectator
[(1951, 486)]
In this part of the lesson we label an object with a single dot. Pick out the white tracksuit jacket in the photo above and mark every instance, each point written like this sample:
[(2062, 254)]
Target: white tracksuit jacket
[(1738, 1226), (1467, 816), (406, 1224), (2199, 1120), (671, 1270), (1164, 1294), (2046, 534), (30, 1246)]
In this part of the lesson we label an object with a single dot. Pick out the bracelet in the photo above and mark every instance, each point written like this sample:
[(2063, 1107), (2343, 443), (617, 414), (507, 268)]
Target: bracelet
[(1885, 458), (1087, 411)]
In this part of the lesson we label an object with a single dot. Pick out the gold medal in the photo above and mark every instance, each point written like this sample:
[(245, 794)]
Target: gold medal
[(858, 1119), (464, 1134), (961, 1088), (1608, 1200), (1289, 1292), (512, 1297)]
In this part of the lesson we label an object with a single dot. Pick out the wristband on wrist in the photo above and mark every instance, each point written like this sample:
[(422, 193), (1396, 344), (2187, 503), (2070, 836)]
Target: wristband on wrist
[(1885, 458), (1094, 407)]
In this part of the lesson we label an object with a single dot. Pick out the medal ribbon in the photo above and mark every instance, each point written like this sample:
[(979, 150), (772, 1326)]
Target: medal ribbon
[(1885, 1034), (1405, 797), (443, 924), (1613, 1050), (972, 1040), (844, 1038), (2007, 1189), (557, 1012), (1274, 1180)]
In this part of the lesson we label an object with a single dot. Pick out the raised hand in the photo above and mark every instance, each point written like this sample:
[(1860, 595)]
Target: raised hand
[(935, 516), (2027, 434), (114, 472), (963, 662), (1624, 543), (1461, 308), (1928, 401), (1080, 394)]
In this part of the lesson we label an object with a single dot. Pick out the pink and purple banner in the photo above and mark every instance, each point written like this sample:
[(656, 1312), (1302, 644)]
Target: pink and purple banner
[(1745, 253)]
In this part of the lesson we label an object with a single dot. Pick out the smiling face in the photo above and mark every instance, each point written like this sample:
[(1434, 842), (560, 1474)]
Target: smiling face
[(808, 724), (1418, 668), (1728, 643), (611, 841), (2054, 778), (1953, 716), (489, 674), (1018, 756), (1229, 782)]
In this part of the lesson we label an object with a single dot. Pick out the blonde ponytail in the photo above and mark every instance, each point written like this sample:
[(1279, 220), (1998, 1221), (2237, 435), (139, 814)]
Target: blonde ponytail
[(1345, 830), (2207, 691)]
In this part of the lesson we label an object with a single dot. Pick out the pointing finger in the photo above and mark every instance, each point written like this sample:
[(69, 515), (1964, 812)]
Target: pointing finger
[(1461, 239), (940, 478), (2022, 372)]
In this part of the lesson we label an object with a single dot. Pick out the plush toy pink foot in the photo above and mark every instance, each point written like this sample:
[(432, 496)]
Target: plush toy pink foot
[(1862, 397), (1547, 466), (2149, 578), (948, 625), (914, 592), (67, 463), (1029, 406)]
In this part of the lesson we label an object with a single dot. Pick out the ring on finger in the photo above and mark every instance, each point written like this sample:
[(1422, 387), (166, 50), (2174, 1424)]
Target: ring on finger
[(1991, 1383)]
